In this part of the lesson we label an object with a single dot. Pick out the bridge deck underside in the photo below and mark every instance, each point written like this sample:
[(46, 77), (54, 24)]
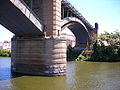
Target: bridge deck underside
[(80, 33), (15, 21)]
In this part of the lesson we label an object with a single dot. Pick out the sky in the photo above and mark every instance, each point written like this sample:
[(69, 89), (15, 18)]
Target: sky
[(105, 12)]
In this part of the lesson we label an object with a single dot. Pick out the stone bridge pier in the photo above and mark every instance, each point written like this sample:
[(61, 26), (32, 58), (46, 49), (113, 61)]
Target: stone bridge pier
[(39, 56), (38, 47), (45, 54)]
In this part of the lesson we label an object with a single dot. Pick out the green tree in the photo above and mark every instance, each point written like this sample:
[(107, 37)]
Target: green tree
[(111, 52), (5, 52), (113, 39)]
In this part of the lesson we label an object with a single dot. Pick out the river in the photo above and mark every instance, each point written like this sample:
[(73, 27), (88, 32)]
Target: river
[(80, 76)]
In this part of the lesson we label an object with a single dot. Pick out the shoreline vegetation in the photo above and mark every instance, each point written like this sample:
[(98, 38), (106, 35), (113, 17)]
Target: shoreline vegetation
[(5, 53), (105, 49)]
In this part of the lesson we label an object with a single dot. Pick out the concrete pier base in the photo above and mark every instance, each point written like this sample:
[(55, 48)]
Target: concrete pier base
[(39, 56)]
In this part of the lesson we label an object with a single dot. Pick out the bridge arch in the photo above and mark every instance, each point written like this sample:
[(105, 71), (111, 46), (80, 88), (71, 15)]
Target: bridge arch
[(68, 20), (78, 29)]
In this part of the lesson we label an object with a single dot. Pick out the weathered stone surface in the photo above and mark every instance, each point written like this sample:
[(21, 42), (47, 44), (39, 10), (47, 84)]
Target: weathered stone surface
[(39, 57), (49, 11)]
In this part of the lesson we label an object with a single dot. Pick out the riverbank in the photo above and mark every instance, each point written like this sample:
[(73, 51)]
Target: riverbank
[(5, 53), (99, 53), (106, 48)]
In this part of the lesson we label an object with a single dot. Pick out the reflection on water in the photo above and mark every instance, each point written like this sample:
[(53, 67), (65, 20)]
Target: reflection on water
[(80, 76)]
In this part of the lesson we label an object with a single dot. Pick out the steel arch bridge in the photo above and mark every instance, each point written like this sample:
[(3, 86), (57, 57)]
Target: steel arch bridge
[(37, 47)]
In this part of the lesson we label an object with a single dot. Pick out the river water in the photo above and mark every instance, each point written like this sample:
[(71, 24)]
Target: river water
[(80, 76)]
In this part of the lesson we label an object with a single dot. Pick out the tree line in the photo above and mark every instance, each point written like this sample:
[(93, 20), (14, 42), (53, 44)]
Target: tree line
[(5, 53), (106, 48)]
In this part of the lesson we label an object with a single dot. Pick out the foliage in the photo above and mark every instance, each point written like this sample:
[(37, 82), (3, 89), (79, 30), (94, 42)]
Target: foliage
[(76, 54), (108, 53), (113, 39), (72, 54), (81, 57), (105, 53), (5, 52)]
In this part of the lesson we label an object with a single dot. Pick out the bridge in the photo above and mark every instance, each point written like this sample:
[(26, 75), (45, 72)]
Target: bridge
[(37, 47)]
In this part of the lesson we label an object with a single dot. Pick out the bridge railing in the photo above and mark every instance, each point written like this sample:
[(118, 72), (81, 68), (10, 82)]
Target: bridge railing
[(78, 15), (28, 13)]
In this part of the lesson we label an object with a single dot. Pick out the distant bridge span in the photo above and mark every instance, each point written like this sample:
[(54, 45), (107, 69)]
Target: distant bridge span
[(68, 20), (78, 29)]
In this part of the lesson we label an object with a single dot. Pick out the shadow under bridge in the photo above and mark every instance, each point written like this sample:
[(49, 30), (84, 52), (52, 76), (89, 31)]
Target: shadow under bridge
[(78, 29)]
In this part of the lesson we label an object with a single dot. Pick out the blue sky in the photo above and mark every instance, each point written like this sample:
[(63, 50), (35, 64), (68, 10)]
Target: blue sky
[(105, 12)]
